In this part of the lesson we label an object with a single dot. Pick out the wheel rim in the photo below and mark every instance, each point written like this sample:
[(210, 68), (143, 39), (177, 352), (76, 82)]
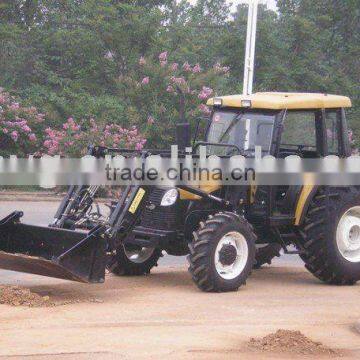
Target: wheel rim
[(233, 270), (348, 234), (138, 256)]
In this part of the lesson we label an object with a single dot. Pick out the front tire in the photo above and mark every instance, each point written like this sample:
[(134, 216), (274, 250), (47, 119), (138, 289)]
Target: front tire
[(330, 236), (222, 253)]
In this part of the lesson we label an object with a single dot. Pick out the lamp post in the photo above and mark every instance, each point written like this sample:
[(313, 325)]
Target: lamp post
[(250, 47)]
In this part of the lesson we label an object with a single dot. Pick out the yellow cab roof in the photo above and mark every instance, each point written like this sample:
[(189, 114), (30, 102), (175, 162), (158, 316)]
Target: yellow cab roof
[(282, 100)]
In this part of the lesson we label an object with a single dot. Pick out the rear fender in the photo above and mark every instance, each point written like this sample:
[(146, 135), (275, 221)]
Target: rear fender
[(306, 195)]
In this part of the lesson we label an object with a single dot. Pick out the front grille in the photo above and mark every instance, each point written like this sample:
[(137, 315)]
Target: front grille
[(158, 217)]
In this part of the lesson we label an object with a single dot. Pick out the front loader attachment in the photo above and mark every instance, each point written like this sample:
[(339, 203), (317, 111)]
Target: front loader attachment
[(52, 252)]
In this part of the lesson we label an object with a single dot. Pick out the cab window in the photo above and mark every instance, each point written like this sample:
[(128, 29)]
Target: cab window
[(299, 134), (332, 124)]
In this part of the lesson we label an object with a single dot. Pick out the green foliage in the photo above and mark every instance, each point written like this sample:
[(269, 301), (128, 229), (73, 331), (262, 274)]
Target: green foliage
[(80, 58)]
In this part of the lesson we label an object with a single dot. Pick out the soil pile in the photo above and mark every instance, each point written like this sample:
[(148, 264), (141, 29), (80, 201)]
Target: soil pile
[(18, 296), (291, 342)]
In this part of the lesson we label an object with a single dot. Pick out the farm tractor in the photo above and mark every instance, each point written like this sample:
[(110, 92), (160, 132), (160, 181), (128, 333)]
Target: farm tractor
[(226, 230)]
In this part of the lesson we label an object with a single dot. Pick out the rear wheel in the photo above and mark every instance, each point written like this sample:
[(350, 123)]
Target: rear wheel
[(134, 260), (330, 236), (222, 253)]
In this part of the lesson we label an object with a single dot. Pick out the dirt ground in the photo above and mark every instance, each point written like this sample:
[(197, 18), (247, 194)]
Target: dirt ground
[(164, 315)]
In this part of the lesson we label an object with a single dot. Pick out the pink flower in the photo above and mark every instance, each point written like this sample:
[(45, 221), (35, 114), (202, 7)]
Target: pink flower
[(5, 131), (75, 127), (32, 137), (65, 126), (26, 128), (14, 135), (196, 69), (204, 109), (170, 89), (142, 61), (47, 143), (150, 120), (40, 117), (174, 66), (145, 80), (109, 55), (178, 80), (14, 106), (139, 146), (205, 93), (163, 56), (221, 69), (186, 66)]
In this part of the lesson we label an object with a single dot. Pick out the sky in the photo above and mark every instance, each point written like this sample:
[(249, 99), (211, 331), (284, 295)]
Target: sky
[(270, 3)]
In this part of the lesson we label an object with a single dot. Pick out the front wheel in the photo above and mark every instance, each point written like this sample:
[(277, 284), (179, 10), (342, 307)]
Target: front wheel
[(222, 253)]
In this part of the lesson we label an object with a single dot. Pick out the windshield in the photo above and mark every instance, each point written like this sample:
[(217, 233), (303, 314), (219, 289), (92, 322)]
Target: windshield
[(243, 129)]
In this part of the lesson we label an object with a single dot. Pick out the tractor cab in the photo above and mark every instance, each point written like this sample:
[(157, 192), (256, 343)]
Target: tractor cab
[(308, 125), (282, 124)]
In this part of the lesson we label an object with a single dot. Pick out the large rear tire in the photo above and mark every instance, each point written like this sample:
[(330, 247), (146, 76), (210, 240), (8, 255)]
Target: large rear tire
[(330, 236), (222, 253), (132, 261)]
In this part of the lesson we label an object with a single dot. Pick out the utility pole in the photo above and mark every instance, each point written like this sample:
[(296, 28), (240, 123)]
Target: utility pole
[(250, 47)]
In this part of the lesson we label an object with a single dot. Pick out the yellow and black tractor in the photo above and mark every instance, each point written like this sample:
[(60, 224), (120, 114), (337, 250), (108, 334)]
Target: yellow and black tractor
[(226, 230)]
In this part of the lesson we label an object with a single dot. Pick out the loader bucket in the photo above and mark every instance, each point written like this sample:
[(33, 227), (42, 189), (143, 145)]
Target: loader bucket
[(52, 252)]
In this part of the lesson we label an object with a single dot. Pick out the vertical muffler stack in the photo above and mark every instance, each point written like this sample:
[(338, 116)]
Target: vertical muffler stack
[(59, 253)]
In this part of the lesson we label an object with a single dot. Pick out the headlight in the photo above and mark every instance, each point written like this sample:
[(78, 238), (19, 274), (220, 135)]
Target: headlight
[(217, 101), (169, 197), (246, 103)]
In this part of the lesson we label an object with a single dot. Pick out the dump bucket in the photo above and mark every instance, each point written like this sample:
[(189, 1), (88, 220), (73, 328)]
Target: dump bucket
[(46, 251)]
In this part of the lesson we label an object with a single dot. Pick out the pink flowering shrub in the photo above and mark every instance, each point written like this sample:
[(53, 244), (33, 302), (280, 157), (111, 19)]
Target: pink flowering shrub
[(24, 131), (73, 138), (162, 90), (159, 92), (19, 126)]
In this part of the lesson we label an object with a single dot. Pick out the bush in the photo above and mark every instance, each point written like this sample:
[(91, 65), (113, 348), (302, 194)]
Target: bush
[(20, 127), (23, 131)]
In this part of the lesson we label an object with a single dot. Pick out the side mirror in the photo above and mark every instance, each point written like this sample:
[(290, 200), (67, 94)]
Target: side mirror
[(183, 135)]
